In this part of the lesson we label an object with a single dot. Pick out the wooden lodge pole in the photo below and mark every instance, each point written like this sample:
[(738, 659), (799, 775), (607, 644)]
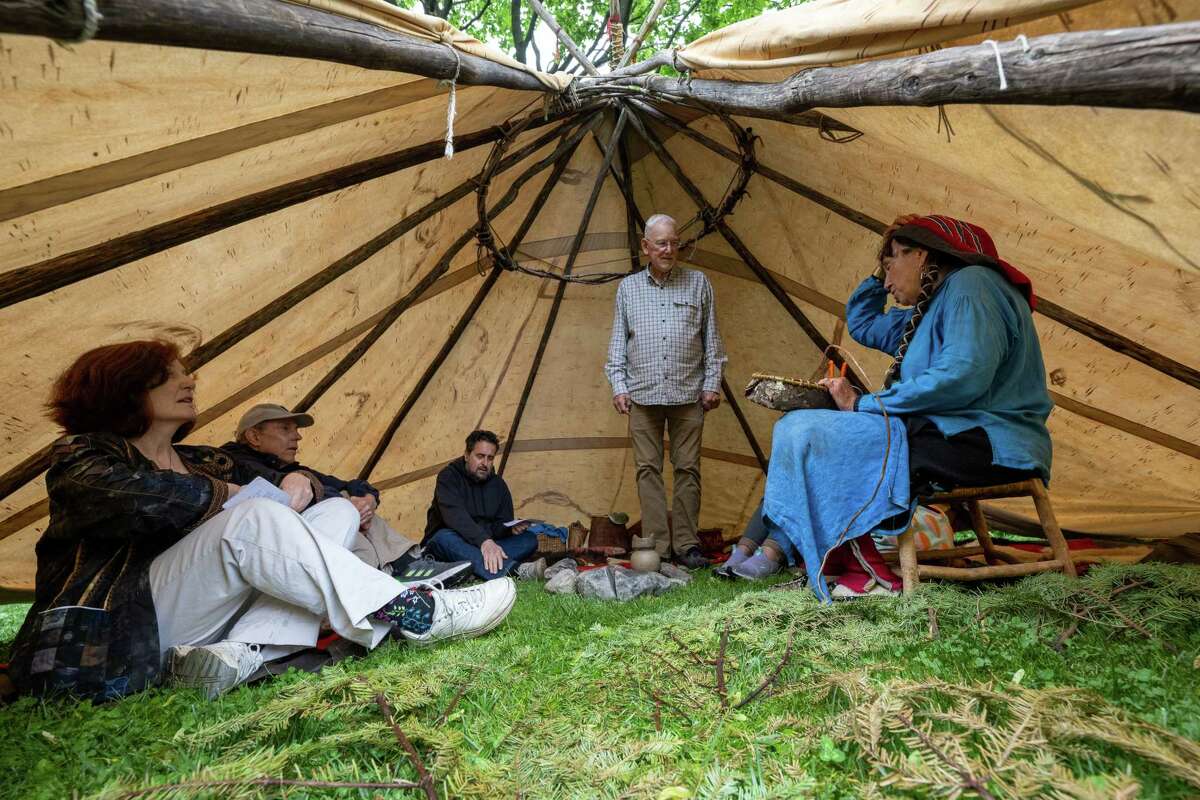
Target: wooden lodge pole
[(1156, 66), (743, 252), (563, 36), (609, 153), (418, 389), (1114, 341), (443, 265), (288, 300), (265, 27), (24, 283), (731, 398)]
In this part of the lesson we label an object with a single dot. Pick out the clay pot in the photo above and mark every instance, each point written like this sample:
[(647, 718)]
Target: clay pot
[(644, 558)]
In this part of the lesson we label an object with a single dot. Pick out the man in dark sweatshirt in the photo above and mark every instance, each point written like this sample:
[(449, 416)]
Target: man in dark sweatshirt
[(471, 505)]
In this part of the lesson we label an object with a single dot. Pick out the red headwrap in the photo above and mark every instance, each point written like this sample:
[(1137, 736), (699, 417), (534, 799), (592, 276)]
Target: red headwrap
[(962, 240)]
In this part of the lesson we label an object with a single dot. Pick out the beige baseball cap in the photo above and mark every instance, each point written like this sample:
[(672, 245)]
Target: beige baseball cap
[(265, 412)]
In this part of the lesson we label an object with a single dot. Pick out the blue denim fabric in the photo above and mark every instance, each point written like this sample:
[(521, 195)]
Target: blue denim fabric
[(758, 530), (448, 545)]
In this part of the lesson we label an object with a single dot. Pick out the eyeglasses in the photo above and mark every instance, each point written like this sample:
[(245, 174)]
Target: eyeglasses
[(663, 244)]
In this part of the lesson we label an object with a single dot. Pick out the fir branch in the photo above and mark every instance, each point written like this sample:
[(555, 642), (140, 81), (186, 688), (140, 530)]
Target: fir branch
[(968, 779)]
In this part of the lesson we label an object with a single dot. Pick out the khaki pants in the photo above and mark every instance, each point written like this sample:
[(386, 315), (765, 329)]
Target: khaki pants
[(685, 428), (380, 544)]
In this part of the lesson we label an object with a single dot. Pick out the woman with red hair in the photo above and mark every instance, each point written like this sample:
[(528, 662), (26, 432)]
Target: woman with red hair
[(964, 403), (143, 567)]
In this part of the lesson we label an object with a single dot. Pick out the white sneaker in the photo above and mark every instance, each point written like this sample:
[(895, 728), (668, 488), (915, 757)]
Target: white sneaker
[(215, 668), (463, 613)]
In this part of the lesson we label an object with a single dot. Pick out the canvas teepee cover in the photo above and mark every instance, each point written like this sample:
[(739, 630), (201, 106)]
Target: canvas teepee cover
[(273, 215)]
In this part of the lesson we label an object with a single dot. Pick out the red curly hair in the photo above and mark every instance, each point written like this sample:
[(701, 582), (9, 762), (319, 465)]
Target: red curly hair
[(105, 389)]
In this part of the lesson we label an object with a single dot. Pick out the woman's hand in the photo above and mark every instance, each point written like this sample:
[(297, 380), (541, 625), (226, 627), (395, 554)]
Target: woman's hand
[(299, 490), (843, 392)]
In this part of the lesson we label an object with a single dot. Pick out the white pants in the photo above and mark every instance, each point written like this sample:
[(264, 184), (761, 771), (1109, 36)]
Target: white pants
[(262, 574)]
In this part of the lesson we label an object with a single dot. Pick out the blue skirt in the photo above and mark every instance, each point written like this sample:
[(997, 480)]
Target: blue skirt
[(835, 475)]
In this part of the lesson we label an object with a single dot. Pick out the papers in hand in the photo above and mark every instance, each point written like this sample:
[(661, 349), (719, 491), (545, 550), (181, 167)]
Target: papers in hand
[(519, 521), (259, 487)]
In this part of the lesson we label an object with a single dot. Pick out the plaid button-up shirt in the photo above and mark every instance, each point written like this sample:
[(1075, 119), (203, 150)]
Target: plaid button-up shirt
[(665, 347)]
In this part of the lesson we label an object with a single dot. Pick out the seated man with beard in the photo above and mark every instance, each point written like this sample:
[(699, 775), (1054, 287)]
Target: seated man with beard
[(471, 516)]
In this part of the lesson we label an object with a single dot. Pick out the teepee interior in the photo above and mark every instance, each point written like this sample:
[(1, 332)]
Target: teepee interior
[(269, 184)]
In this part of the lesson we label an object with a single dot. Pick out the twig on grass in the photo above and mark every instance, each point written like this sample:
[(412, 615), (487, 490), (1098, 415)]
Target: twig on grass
[(689, 652), (1061, 642), (719, 665), (425, 780), (969, 781), (659, 700), (458, 695), (770, 679)]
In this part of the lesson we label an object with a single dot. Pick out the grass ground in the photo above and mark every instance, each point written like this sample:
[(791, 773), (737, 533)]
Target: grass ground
[(952, 691)]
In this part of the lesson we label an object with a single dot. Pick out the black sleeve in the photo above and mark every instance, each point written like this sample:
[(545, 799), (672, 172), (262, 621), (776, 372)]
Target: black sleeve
[(124, 501), (451, 502), (505, 514)]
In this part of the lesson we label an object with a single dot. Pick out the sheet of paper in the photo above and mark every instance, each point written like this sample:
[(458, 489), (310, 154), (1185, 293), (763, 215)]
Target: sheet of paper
[(259, 487)]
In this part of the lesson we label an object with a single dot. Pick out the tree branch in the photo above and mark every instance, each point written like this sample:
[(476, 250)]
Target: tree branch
[(276, 29), (1151, 67)]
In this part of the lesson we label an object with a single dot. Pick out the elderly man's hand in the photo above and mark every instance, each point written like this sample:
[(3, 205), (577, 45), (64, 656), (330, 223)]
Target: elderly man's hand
[(299, 490), (709, 400), (366, 506), (842, 390), (621, 403), (493, 556)]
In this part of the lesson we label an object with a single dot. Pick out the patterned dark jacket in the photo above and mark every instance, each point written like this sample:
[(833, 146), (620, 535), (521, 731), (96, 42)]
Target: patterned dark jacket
[(111, 512)]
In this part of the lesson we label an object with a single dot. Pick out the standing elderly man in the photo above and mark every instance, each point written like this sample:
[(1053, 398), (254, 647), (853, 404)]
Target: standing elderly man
[(665, 361)]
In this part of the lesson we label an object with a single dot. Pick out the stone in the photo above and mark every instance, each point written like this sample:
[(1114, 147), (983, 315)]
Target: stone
[(599, 583), (562, 582), (567, 564), (675, 572)]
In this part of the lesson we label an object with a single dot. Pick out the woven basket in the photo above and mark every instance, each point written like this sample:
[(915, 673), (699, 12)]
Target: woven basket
[(787, 394), (550, 545)]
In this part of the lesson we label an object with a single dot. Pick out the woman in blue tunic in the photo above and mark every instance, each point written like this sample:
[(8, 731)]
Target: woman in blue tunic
[(964, 403)]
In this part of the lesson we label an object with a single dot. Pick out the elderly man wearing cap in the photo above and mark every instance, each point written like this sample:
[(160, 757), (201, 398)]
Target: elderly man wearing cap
[(267, 444)]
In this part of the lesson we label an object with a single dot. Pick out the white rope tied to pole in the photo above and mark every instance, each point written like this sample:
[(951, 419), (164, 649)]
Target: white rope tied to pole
[(452, 105), (999, 63), (91, 24)]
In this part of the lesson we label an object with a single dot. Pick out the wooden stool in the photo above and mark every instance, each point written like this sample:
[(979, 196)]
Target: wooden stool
[(911, 570)]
